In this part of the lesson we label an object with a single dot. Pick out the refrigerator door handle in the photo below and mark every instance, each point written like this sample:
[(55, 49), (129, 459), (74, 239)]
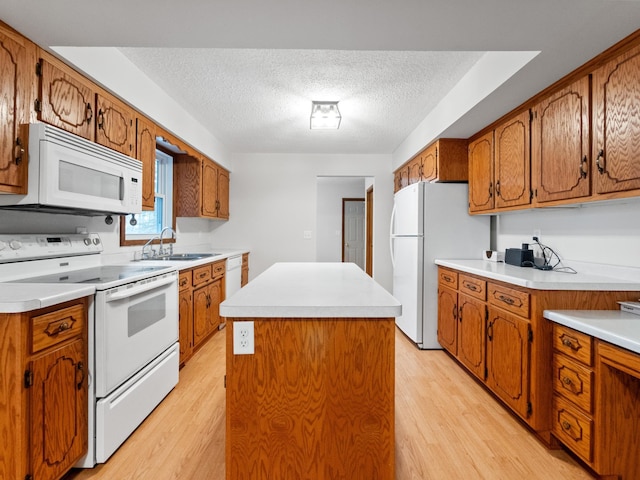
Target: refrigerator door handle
[(393, 216)]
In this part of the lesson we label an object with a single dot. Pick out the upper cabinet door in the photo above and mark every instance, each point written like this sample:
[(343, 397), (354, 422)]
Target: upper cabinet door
[(430, 163), (223, 193), (66, 101), (115, 125), (616, 124), (415, 170), (209, 188), (146, 153), (560, 144), (14, 110), (481, 174), (512, 162)]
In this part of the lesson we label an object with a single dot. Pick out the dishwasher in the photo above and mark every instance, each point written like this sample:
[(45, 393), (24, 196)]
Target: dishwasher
[(233, 275)]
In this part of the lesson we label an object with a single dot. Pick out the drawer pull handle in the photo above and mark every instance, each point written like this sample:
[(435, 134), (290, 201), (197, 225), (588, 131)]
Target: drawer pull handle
[(567, 342), (471, 287), (202, 275), (566, 380), (566, 425), (505, 299), (447, 278), (63, 326)]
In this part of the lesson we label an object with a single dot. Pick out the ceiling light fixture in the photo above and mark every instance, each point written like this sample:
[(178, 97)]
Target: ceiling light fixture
[(325, 115)]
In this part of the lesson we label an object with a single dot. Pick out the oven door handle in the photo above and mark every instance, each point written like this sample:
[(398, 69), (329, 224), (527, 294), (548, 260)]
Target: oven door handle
[(130, 292)]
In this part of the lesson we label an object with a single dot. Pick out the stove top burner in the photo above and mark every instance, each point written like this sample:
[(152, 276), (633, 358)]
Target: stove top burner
[(95, 275)]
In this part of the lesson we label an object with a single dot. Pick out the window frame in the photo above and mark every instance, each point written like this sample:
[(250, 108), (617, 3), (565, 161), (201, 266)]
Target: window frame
[(141, 239)]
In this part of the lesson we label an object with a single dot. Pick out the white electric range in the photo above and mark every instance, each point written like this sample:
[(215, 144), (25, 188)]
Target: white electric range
[(133, 328)]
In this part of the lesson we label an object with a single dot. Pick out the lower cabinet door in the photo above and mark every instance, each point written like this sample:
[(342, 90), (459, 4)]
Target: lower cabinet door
[(471, 334), (508, 359), (58, 417), (448, 319)]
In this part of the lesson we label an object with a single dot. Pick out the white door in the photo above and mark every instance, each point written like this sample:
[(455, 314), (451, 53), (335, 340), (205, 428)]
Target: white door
[(353, 234)]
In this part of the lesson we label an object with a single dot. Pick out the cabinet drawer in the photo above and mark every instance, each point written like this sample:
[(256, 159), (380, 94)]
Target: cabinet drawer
[(55, 327), (218, 269), (448, 278), (473, 286), (573, 344), (572, 427), (509, 299), (185, 280), (201, 275), (573, 381)]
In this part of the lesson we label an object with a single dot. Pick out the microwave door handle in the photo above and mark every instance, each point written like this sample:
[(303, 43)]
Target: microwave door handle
[(121, 187), (130, 292)]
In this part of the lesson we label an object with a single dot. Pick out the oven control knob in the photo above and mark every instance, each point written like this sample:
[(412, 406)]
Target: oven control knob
[(87, 241), (96, 241), (15, 244)]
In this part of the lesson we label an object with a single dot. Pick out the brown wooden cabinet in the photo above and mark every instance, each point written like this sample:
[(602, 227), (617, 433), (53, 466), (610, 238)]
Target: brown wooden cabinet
[(472, 317), (481, 188), (572, 387), (65, 99), (200, 188), (115, 125), (616, 130), (43, 395), (445, 160), (146, 153), (244, 274), (185, 315), (512, 162), (201, 292), (448, 310), (503, 339), (560, 156), (16, 57)]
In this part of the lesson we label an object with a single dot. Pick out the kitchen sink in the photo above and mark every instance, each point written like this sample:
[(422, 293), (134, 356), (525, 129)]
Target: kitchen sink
[(184, 256)]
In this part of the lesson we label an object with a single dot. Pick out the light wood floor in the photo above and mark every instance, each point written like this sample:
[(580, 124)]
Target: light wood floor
[(447, 427)]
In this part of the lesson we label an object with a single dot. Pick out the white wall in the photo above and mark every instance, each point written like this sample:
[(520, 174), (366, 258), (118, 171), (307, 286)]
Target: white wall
[(597, 233), (273, 201), (331, 191)]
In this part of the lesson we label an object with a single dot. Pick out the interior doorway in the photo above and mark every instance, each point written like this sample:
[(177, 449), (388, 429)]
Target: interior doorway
[(368, 254), (353, 233)]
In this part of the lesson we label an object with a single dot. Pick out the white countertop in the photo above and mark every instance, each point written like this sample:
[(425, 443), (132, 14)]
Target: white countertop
[(589, 276), (312, 290), (23, 297), (613, 326)]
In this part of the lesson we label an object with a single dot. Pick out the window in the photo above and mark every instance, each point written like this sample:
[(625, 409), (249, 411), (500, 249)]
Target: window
[(150, 223)]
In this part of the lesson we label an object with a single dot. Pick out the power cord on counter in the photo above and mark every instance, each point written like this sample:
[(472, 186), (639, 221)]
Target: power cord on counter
[(548, 256)]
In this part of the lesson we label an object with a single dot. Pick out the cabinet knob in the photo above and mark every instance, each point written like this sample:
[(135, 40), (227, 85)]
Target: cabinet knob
[(566, 380), (566, 425)]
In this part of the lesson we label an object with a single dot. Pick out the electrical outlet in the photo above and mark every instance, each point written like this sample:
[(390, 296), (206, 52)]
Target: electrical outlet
[(243, 341)]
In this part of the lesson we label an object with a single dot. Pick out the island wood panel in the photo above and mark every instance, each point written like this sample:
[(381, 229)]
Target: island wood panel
[(13, 398), (315, 401)]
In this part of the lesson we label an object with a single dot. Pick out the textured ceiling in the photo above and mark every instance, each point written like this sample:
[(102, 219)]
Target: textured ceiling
[(248, 69), (260, 100)]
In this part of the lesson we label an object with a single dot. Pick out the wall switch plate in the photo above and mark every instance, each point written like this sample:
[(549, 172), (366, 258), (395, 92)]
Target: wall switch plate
[(243, 339)]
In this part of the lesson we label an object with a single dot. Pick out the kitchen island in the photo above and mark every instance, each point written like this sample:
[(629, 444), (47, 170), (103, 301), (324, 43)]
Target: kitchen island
[(315, 399)]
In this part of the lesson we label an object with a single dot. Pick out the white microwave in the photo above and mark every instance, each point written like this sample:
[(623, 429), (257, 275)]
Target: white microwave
[(69, 174)]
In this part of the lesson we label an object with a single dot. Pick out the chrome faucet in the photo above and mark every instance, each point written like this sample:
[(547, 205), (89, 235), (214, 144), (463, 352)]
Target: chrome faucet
[(153, 252), (173, 235)]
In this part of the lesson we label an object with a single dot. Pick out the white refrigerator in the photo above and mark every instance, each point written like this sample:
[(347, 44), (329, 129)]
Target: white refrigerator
[(430, 221)]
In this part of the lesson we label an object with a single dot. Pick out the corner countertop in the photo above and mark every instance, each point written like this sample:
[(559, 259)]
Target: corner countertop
[(312, 290), (589, 277), (19, 297), (613, 326)]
